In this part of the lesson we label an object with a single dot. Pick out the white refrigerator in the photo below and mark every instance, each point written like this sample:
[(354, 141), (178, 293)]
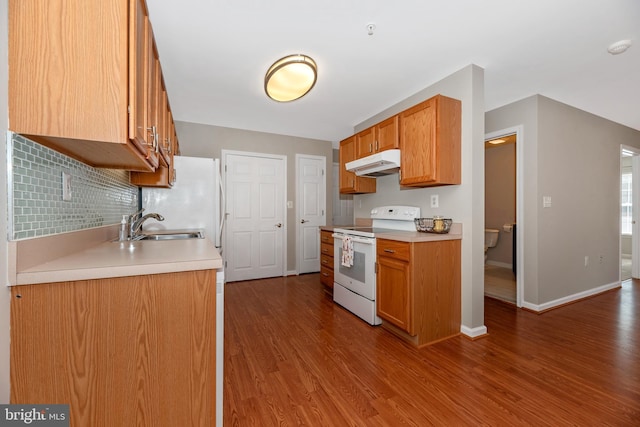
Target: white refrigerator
[(196, 201)]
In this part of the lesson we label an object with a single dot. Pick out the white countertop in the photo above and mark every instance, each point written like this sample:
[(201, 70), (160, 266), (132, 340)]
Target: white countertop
[(413, 236), (120, 259)]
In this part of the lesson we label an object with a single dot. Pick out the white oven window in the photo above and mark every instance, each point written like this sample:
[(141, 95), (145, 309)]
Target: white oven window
[(358, 270)]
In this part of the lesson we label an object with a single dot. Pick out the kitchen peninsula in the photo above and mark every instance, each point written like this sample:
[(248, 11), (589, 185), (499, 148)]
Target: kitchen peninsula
[(124, 333)]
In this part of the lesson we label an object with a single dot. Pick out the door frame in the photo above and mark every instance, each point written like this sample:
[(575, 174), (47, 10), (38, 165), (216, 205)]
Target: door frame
[(298, 199), (223, 155), (520, 197), (635, 215)]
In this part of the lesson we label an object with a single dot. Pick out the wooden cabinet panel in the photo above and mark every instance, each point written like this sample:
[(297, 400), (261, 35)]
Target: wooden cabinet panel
[(125, 351), (430, 140), (393, 249), (79, 79), (387, 134), (365, 142), (138, 72), (326, 258), (380, 137), (418, 289), (394, 292), (349, 182), (326, 237)]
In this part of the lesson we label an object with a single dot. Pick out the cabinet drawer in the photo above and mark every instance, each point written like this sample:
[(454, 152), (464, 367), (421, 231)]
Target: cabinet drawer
[(393, 249), (326, 276), (326, 261), (325, 237), (326, 248)]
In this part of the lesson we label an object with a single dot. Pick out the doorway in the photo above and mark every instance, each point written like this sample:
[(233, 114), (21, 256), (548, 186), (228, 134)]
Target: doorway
[(504, 267), (629, 201), (255, 215)]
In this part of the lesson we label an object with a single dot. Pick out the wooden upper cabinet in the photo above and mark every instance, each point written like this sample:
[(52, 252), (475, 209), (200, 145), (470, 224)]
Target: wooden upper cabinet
[(383, 136), (349, 182), (77, 79), (430, 139)]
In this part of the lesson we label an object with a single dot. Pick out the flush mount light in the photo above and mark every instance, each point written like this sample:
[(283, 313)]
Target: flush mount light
[(290, 78), (619, 47), (496, 141)]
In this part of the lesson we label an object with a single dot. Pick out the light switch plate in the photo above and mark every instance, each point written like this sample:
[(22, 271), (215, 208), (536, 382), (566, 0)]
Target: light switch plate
[(66, 186), (546, 201)]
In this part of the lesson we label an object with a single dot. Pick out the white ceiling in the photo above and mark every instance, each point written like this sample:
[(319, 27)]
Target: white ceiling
[(214, 54)]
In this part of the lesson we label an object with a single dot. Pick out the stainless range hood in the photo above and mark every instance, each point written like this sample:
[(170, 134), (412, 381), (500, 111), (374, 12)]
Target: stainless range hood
[(382, 163)]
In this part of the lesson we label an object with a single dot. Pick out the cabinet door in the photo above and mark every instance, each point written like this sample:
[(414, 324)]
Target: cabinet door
[(347, 154), (365, 142), (387, 134), (154, 102), (430, 143), (108, 347), (418, 144), (394, 293), (138, 74)]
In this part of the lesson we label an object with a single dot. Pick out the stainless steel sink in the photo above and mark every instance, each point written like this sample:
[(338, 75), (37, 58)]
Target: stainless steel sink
[(172, 236)]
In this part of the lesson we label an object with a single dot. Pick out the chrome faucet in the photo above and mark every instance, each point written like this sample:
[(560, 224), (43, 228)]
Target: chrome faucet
[(135, 223)]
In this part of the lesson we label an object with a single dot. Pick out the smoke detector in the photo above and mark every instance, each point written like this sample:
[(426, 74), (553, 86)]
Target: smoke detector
[(619, 47)]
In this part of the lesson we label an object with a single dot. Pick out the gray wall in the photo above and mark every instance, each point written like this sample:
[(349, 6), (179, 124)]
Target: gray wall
[(463, 203), (4, 291), (574, 158), (200, 140), (500, 199)]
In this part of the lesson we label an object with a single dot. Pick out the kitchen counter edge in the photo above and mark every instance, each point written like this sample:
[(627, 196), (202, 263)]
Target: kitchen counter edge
[(108, 259), (413, 236)]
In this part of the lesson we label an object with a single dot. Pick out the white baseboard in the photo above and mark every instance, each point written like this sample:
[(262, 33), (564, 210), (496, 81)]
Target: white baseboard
[(291, 273), (570, 298), (500, 264), (473, 332)]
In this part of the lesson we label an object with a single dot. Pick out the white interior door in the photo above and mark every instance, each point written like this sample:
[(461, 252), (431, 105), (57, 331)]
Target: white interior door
[(311, 202), (255, 188)]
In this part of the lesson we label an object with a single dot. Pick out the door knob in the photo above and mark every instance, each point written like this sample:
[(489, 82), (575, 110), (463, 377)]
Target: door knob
[(303, 221), (279, 225)]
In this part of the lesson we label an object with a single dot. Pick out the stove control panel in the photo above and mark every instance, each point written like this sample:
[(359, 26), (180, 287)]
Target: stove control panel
[(401, 213)]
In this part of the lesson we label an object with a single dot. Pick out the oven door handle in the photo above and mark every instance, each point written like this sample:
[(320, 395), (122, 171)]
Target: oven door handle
[(356, 239)]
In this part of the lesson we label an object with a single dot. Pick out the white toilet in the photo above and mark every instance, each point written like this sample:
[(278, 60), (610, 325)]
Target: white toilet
[(490, 240)]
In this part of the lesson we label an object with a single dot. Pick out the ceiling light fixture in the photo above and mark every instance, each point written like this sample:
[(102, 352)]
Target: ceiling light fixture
[(619, 47), (290, 78), (496, 141)]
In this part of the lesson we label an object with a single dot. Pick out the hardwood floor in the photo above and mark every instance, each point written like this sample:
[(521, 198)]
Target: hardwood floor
[(293, 357)]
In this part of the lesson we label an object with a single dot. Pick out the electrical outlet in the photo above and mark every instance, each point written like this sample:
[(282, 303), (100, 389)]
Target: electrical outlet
[(434, 201), (66, 186)]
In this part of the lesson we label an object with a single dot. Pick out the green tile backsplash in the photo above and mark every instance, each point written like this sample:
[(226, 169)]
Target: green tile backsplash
[(98, 196)]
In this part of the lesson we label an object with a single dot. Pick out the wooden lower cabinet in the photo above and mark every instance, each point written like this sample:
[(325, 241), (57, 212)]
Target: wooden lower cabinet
[(326, 258), (418, 289), (124, 351)]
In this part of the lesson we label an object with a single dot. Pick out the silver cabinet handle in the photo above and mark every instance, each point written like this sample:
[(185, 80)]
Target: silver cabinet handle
[(279, 225), (391, 251)]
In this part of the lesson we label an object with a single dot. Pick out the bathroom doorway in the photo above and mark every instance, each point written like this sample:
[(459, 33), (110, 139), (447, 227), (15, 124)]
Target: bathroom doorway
[(503, 198)]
